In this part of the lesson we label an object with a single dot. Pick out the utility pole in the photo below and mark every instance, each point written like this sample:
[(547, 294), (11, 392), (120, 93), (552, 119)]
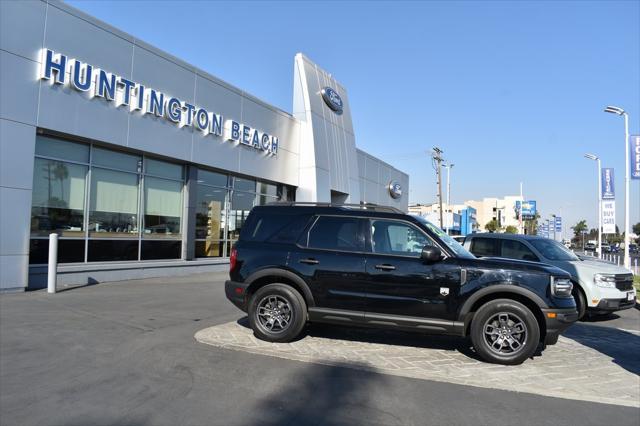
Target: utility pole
[(436, 156)]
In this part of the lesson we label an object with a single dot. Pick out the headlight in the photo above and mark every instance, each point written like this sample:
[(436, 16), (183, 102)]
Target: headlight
[(561, 287), (604, 280)]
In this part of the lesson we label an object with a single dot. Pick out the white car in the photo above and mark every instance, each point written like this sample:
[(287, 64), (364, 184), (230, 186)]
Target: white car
[(599, 286)]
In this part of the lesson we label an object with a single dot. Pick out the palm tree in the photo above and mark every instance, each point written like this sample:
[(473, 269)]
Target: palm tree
[(61, 172)]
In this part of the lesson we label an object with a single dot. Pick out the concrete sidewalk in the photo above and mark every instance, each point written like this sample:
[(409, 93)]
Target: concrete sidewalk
[(124, 354)]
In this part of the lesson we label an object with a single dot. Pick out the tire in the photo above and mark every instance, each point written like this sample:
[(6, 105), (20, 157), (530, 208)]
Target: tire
[(277, 313), (505, 345), (581, 301)]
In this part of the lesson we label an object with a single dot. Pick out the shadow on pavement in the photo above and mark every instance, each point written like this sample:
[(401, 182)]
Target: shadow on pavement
[(600, 317), (623, 347), (326, 395)]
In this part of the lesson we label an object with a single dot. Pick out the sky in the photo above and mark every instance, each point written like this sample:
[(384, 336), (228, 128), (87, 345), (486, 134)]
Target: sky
[(510, 91)]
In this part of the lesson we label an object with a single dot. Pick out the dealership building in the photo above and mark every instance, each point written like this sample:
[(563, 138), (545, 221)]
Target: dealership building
[(145, 165)]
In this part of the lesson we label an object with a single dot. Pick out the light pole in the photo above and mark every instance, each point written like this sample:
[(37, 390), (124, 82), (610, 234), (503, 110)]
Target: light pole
[(619, 111), (449, 167), (596, 158)]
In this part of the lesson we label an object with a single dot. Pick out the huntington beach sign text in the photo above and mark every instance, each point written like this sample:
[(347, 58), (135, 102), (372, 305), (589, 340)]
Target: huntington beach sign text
[(59, 69)]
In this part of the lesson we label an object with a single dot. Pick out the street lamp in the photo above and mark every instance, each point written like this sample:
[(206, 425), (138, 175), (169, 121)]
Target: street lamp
[(596, 158), (619, 111), (449, 167)]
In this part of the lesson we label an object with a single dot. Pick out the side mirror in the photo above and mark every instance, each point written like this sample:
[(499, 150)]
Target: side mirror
[(431, 254)]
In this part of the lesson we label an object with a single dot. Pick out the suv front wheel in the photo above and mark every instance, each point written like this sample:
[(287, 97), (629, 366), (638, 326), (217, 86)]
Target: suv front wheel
[(277, 313), (504, 331)]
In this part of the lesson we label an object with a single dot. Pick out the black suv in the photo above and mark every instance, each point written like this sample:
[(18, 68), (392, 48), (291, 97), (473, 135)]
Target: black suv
[(376, 266)]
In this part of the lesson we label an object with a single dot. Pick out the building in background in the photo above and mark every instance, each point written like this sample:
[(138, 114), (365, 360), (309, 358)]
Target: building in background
[(503, 210), (145, 165)]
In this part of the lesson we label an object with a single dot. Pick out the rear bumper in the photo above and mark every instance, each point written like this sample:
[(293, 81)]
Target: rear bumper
[(562, 319), (236, 292)]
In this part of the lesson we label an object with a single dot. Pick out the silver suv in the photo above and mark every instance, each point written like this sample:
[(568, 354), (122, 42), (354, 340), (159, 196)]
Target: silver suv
[(598, 286)]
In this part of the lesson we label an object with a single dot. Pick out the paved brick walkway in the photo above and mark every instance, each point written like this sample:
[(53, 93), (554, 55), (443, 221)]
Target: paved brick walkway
[(589, 363)]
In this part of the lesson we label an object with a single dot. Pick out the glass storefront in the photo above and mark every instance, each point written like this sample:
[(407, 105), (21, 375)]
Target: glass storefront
[(108, 205), (223, 204)]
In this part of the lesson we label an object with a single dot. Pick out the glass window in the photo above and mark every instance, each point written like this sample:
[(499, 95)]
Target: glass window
[(264, 199), (552, 250), (267, 189), (241, 205), (163, 169), (516, 250), (116, 160), (113, 208), (485, 247), (155, 250), (56, 148), (58, 198), (241, 184), (112, 250), (69, 251), (162, 207), (210, 248), (396, 238), (336, 233), (212, 178), (210, 212), (277, 228)]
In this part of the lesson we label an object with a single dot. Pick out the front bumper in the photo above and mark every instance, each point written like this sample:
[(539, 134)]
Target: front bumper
[(557, 321), (612, 305), (236, 292)]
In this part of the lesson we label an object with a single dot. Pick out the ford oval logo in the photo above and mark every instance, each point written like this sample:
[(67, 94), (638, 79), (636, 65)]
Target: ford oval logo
[(395, 190), (332, 99)]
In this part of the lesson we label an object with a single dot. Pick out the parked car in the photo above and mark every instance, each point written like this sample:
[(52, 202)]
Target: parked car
[(605, 248), (378, 267), (598, 287), (590, 247), (633, 248)]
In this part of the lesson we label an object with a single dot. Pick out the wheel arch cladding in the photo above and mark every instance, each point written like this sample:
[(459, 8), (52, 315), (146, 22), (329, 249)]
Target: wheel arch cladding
[(274, 275), (521, 297)]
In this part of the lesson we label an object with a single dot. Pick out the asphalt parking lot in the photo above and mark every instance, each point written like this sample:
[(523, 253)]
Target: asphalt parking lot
[(125, 353)]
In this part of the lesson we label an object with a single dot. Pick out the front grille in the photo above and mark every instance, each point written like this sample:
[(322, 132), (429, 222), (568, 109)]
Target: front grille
[(624, 282)]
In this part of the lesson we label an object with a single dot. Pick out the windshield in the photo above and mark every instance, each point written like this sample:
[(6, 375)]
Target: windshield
[(552, 250), (452, 244)]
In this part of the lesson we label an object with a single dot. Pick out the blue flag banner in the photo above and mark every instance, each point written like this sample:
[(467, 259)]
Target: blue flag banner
[(608, 186), (558, 224), (634, 156)]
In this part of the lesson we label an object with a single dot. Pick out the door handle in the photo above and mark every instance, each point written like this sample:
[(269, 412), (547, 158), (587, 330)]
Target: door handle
[(309, 261), (386, 267)]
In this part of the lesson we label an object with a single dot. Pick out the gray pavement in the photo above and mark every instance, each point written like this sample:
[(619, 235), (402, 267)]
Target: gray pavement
[(124, 353)]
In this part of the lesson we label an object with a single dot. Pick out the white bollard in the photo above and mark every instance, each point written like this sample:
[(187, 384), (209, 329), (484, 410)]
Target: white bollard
[(53, 263)]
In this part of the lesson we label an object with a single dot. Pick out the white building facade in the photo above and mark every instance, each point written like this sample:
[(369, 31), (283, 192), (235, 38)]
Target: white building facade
[(145, 165)]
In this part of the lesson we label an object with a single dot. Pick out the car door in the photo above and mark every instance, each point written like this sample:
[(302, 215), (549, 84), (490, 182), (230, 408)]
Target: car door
[(398, 281), (330, 258)]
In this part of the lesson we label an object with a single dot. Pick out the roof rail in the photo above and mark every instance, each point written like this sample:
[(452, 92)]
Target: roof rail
[(363, 206)]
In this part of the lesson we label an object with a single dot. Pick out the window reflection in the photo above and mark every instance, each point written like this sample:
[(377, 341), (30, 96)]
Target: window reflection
[(113, 207), (162, 208), (57, 198)]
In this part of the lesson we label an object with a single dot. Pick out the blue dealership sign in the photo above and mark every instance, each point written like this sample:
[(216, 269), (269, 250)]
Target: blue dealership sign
[(558, 224), (634, 156), (608, 186)]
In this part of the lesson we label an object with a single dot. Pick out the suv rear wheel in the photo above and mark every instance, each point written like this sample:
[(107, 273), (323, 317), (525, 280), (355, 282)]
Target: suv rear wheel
[(277, 313), (504, 331), (581, 301)]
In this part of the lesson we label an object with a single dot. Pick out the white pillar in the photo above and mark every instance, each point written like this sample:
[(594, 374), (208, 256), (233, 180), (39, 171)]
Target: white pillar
[(53, 263)]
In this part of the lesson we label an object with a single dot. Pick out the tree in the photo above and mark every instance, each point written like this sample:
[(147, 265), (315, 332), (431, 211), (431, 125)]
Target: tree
[(636, 228), (579, 227), (492, 226), (511, 229)]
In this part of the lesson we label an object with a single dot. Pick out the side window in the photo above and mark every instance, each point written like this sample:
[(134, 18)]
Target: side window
[(397, 238), (336, 233), (484, 247), (516, 250), (276, 228)]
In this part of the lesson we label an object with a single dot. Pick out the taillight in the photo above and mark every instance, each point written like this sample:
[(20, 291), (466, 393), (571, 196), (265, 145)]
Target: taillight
[(233, 259)]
